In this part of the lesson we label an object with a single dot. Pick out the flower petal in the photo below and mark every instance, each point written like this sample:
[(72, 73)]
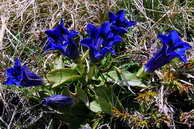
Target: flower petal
[(73, 33), (121, 15), (86, 42), (71, 49), (9, 81), (57, 101), (92, 30), (130, 23), (105, 28), (174, 36), (111, 16), (119, 30), (50, 46), (17, 62)]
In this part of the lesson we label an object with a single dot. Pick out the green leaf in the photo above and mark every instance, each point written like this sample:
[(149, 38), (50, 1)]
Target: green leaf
[(135, 82), (77, 115), (100, 105), (106, 98), (82, 95), (142, 74), (123, 77), (119, 75), (106, 106), (92, 72), (95, 107), (104, 92), (61, 76), (127, 75), (112, 76)]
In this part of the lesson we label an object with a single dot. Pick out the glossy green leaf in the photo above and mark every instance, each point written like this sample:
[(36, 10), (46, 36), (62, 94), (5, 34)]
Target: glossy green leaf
[(95, 107), (106, 98), (122, 77), (61, 76), (135, 82), (106, 107)]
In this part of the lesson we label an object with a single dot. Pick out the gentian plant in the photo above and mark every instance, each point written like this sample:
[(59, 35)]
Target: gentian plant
[(100, 41), (119, 24), (62, 40), (173, 47), (58, 101), (21, 76), (94, 82)]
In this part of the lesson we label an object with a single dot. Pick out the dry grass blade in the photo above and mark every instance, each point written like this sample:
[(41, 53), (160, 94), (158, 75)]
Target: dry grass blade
[(2, 30)]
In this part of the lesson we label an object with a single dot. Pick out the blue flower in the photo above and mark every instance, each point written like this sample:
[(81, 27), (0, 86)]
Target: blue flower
[(22, 76), (100, 41), (119, 23), (173, 47), (58, 101), (61, 39)]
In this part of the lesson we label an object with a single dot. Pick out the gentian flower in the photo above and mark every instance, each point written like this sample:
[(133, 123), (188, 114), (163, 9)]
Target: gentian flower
[(21, 76), (61, 39), (58, 101), (119, 23), (173, 47), (100, 41)]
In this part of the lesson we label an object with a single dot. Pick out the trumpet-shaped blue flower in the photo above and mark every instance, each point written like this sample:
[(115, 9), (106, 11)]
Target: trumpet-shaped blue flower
[(61, 39), (100, 41), (173, 47), (22, 76), (119, 23), (58, 101)]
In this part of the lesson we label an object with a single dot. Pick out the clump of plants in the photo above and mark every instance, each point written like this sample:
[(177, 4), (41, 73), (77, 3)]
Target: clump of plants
[(87, 87)]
